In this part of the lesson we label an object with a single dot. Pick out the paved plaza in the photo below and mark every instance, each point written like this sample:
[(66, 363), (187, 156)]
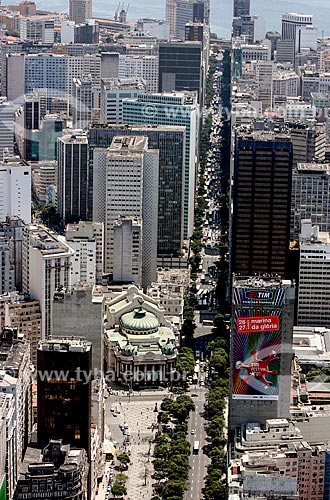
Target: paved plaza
[(138, 413)]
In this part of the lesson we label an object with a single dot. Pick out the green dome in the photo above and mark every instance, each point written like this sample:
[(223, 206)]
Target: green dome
[(139, 321)]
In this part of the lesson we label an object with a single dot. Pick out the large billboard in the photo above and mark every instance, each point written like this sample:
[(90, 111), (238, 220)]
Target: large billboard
[(257, 343)]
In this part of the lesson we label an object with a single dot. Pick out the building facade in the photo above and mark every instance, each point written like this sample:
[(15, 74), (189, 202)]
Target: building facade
[(72, 177), (176, 108), (260, 349), (261, 198), (314, 269), (64, 391)]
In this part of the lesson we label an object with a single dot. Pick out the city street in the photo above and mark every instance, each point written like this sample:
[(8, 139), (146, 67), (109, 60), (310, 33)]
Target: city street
[(198, 463)]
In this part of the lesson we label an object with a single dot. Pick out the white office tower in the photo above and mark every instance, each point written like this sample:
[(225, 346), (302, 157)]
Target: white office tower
[(15, 189), (299, 28), (37, 29), (127, 258), (113, 91), (86, 239), (7, 274), (82, 94), (67, 31), (264, 77), (46, 267), (132, 190), (7, 115), (80, 10), (144, 66), (314, 276)]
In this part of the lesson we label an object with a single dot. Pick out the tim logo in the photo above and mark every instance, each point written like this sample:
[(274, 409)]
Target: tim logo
[(259, 295)]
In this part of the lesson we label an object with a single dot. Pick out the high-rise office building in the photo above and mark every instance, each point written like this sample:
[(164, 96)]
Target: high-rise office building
[(64, 391), (127, 258), (12, 230), (181, 67), (180, 12), (82, 101), (176, 108), (7, 275), (299, 29), (314, 275), (37, 29), (86, 239), (260, 349), (264, 78), (50, 130), (80, 10), (171, 143), (15, 189), (241, 8), (6, 127), (310, 197), (72, 176), (132, 190), (46, 264), (261, 200), (113, 91), (308, 140), (145, 67)]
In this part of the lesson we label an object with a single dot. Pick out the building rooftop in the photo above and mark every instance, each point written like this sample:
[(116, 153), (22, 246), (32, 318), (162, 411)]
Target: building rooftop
[(261, 281), (312, 168), (13, 349), (75, 137), (47, 242), (65, 344), (132, 143), (124, 83)]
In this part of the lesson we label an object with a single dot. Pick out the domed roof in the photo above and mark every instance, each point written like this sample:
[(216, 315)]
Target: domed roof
[(139, 321)]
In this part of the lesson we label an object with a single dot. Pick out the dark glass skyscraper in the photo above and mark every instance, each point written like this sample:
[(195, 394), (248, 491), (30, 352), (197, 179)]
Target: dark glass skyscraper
[(72, 177), (241, 8), (64, 391), (180, 67), (261, 199)]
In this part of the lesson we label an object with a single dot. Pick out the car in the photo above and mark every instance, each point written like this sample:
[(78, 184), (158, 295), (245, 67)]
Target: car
[(194, 395), (192, 431)]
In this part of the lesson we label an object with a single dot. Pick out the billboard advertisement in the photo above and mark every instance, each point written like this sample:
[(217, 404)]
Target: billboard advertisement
[(257, 343)]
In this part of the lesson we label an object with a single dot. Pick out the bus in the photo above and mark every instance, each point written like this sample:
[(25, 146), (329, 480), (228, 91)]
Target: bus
[(196, 447)]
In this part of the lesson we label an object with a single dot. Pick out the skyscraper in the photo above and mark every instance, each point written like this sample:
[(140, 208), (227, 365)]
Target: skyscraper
[(181, 67), (64, 391), (82, 101), (260, 349), (314, 274), (261, 199), (46, 266), (80, 10), (15, 189), (170, 140), (241, 8), (132, 190), (72, 180), (172, 108)]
